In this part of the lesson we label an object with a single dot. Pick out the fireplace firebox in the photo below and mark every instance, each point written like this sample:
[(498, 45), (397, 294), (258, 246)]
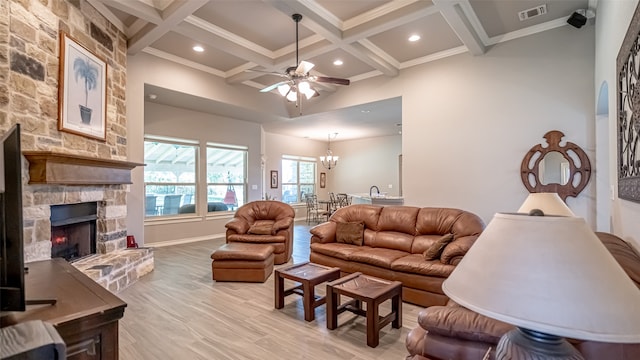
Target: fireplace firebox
[(73, 230)]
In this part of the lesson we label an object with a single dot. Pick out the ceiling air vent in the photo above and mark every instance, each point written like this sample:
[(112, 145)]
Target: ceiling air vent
[(533, 12)]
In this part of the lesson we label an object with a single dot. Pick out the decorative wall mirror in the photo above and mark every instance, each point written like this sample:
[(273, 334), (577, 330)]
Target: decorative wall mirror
[(564, 170), (628, 96)]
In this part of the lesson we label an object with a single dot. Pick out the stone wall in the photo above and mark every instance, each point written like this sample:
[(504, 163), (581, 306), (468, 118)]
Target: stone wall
[(29, 68)]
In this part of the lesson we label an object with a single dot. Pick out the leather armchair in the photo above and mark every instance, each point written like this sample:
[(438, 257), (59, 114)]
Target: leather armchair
[(456, 333), (264, 222)]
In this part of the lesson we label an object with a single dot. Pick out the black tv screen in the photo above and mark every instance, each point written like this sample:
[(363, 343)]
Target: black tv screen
[(12, 297)]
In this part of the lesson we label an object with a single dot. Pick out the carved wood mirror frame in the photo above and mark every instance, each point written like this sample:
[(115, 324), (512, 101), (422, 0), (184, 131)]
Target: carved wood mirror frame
[(530, 167), (628, 108)]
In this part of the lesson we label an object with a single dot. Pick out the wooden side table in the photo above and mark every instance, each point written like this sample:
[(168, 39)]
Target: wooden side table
[(370, 290), (308, 275)]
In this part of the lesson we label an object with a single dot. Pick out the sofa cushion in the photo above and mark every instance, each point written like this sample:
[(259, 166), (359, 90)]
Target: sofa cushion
[(434, 251), (262, 227), (416, 264), (350, 232), (376, 256), (336, 250)]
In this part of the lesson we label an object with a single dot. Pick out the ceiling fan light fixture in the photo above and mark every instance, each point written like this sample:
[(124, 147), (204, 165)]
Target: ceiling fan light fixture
[(306, 89), (292, 95), (284, 89)]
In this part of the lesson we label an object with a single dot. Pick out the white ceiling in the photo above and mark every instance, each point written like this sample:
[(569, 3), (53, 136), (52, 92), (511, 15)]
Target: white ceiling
[(369, 36)]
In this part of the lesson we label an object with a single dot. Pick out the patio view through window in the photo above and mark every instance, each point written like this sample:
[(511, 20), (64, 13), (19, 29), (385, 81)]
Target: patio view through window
[(172, 179), (298, 178)]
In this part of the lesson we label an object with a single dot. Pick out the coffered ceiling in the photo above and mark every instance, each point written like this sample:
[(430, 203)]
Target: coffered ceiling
[(369, 36)]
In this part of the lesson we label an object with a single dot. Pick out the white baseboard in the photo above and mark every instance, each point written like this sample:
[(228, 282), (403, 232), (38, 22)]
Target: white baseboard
[(186, 240)]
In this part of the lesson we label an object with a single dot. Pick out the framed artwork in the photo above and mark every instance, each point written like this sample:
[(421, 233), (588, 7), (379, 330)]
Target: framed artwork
[(82, 91), (274, 179), (628, 108), (323, 180)]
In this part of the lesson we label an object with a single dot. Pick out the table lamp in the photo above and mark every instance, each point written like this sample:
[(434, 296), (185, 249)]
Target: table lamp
[(551, 277), (549, 203)]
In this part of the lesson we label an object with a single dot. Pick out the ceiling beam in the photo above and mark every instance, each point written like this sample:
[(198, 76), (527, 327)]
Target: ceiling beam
[(454, 15), (136, 8), (175, 13)]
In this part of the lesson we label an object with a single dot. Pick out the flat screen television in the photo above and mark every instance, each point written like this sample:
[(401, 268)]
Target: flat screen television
[(12, 285)]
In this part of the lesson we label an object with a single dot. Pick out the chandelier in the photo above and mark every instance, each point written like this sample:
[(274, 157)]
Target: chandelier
[(329, 161)]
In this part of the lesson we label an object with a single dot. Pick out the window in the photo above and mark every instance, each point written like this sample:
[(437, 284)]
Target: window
[(169, 176), (226, 176), (298, 178)]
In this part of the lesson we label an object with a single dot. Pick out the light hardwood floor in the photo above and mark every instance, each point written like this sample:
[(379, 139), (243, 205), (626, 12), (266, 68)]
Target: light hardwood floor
[(179, 312)]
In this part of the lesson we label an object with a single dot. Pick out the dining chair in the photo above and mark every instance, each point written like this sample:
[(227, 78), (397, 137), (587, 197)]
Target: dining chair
[(171, 204), (314, 212)]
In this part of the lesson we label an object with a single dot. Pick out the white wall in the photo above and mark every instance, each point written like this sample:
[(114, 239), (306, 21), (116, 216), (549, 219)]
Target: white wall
[(612, 21), (366, 162)]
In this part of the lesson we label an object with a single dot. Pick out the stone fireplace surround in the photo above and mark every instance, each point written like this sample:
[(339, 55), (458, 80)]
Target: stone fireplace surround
[(114, 266)]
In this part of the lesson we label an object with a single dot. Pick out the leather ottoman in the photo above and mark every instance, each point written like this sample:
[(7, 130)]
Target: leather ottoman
[(242, 262)]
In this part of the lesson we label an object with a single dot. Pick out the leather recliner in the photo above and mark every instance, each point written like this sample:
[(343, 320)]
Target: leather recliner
[(453, 332), (264, 222)]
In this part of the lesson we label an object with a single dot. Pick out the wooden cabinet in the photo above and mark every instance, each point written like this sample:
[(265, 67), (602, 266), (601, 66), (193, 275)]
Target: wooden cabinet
[(85, 314)]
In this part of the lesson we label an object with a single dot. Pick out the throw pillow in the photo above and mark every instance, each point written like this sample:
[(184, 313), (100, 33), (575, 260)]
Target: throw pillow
[(434, 251), (261, 227), (350, 233)]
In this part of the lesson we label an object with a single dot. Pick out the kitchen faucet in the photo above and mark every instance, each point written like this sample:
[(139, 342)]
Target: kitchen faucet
[(371, 189)]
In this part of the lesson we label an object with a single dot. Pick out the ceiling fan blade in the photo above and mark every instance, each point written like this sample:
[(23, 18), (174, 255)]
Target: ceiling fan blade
[(304, 67), (330, 80), (268, 72), (271, 87)]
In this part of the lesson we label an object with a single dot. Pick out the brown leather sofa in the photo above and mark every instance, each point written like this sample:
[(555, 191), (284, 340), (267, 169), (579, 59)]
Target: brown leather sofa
[(394, 240), (264, 222), (453, 332)]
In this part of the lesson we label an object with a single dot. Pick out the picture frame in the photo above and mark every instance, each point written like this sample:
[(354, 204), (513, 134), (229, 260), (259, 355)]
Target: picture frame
[(323, 180), (628, 111), (82, 90), (274, 179)]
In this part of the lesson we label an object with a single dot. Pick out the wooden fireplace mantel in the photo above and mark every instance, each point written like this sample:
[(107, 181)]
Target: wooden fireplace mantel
[(46, 167)]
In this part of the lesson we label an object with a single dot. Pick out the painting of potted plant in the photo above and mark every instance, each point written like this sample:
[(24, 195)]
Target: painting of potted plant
[(88, 73), (82, 90)]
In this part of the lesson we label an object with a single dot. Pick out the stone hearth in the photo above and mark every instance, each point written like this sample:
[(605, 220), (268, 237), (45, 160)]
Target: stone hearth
[(119, 269)]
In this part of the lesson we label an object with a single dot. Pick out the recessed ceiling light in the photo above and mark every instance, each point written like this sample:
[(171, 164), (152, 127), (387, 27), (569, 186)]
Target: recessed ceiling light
[(414, 37), (337, 62), (153, 96), (365, 111), (198, 48)]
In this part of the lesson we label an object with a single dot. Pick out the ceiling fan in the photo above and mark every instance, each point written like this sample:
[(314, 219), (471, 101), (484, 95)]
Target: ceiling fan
[(298, 77)]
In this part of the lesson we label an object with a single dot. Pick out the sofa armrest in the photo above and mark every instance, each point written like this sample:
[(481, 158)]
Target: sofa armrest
[(282, 224), (324, 233), (455, 250), (462, 323), (240, 226)]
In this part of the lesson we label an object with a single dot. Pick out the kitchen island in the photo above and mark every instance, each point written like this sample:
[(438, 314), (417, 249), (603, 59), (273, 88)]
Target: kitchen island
[(376, 199)]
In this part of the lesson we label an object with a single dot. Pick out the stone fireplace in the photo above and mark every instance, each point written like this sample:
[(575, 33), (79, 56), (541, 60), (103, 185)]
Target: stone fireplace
[(70, 195)]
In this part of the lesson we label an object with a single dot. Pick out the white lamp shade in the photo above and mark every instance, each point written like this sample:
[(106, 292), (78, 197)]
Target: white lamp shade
[(549, 203), (306, 89), (292, 95), (284, 89), (549, 274)]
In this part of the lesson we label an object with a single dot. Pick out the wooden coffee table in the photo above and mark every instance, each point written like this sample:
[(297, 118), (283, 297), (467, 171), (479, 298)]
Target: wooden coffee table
[(373, 292), (308, 275)]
